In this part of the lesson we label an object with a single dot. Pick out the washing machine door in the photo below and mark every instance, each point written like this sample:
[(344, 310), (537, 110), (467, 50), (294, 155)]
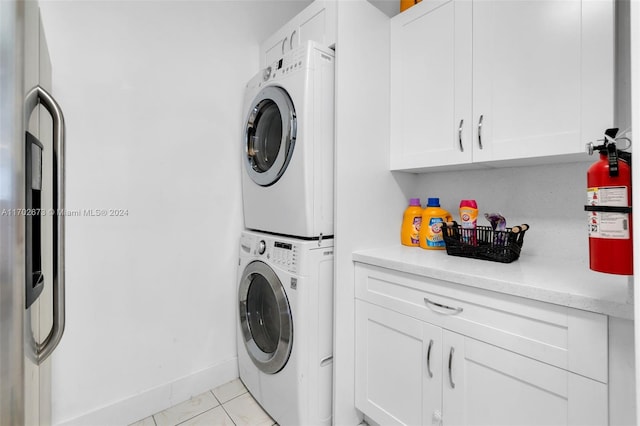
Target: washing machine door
[(270, 135), (265, 317)]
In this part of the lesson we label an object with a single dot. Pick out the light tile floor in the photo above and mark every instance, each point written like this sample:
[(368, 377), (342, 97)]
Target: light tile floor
[(227, 405)]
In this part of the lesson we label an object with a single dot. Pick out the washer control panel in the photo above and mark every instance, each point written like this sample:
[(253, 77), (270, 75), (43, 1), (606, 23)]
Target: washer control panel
[(285, 255)]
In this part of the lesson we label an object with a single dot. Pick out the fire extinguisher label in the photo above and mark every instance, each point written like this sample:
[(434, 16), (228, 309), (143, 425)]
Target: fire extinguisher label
[(604, 224)]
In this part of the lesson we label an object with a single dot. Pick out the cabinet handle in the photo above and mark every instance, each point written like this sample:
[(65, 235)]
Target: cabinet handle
[(429, 359), (453, 385), (480, 131), (460, 136), (441, 306)]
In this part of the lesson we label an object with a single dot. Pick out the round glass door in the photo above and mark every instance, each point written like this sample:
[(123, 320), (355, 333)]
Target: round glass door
[(270, 135), (265, 318)]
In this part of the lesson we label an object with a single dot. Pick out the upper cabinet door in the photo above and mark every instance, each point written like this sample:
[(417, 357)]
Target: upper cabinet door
[(542, 76), (431, 85)]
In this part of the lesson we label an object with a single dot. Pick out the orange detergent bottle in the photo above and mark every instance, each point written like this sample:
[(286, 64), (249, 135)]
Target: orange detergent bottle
[(410, 231), (430, 229), (406, 4)]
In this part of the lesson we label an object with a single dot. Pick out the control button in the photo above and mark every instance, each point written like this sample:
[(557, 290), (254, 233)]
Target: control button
[(262, 246)]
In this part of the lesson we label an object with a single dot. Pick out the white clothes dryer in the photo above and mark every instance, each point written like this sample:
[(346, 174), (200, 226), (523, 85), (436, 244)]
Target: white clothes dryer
[(288, 145), (285, 326)]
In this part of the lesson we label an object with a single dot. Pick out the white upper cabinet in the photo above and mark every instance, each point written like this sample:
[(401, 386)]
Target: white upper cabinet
[(431, 85), (483, 81), (317, 22)]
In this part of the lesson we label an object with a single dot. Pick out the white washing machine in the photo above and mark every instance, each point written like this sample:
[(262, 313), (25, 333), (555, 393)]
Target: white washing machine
[(288, 145), (285, 326)]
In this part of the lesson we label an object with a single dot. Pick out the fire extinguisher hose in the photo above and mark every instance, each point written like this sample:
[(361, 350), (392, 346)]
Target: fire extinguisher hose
[(608, 209)]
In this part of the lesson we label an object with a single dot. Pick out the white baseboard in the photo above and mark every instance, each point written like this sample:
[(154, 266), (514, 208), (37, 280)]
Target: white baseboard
[(143, 405)]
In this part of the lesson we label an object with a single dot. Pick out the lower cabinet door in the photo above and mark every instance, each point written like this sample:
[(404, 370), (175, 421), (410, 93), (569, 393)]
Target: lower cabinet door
[(398, 367), (487, 385)]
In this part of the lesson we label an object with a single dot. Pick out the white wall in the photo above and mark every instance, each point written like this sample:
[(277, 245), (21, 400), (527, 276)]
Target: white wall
[(368, 198), (622, 381), (152, 94)]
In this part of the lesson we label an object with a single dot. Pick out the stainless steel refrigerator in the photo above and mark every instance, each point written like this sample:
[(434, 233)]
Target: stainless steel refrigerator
[(31, 217)]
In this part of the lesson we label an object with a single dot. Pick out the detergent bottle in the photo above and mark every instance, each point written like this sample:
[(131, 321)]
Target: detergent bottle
[(469, 220), (430, 229), (410, 232), (406, 4)]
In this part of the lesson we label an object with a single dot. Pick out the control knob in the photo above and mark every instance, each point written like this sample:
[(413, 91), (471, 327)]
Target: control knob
[(266, 73), (262, 246)]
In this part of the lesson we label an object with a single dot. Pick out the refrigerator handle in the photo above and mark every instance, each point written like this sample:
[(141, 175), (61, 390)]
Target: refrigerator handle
[(35, 96), (34, 282)]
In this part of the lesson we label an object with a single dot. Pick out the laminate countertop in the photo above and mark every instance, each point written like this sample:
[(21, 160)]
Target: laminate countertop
[(559, 281)]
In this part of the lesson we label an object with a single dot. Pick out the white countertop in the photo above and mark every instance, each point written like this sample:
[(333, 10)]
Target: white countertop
[(562, 282)]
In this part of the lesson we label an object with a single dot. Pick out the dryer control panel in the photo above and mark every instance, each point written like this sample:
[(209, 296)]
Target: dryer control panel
[(295, 60)]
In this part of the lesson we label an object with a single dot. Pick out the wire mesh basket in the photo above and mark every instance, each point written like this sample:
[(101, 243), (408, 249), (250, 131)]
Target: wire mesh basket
[(483, 242)]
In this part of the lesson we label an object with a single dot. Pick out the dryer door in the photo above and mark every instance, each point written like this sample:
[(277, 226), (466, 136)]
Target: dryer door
[(270, 135), (265, 317)]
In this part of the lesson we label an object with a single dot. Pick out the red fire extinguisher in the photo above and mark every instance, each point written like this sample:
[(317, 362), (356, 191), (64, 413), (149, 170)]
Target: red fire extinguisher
[(609, 209)]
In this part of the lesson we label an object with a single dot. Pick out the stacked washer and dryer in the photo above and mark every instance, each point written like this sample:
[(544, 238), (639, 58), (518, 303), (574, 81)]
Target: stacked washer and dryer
[(285, 274)]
